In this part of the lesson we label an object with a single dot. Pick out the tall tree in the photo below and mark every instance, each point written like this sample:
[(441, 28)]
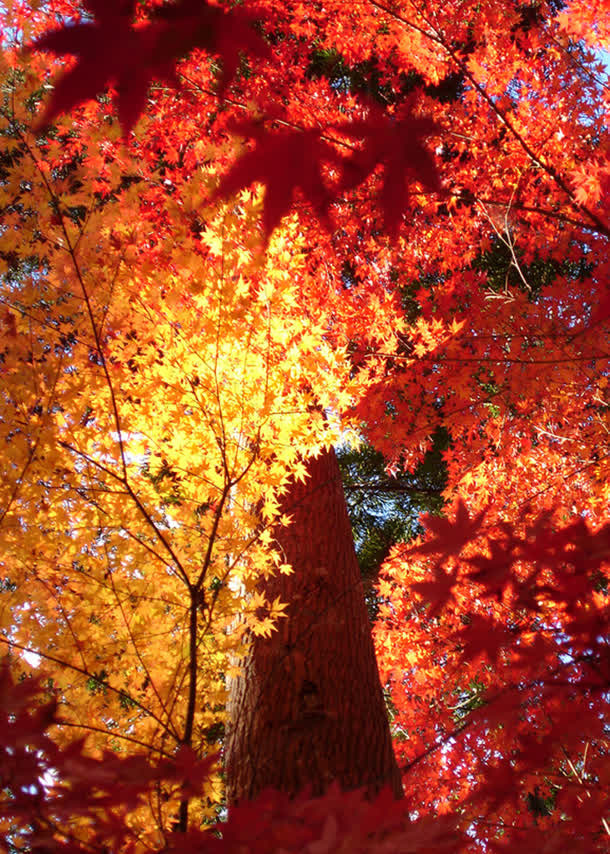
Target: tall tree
[(307, 708)]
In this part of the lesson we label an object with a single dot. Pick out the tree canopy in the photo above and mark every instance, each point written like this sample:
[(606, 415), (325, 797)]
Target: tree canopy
[(232, 236)]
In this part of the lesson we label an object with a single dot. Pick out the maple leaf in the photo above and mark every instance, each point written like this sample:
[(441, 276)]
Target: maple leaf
[(450, 537), (437, 592), (483, 638), (227, 34), (127, 64), (338, 820), (140, 54), (493, 571), (285, 162), (397, 143)]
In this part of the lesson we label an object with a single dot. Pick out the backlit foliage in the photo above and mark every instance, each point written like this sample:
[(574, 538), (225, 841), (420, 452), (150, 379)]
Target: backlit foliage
[(158, 389)]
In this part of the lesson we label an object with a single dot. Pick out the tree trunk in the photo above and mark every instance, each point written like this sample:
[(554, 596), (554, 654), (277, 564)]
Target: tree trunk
[(309, 707)]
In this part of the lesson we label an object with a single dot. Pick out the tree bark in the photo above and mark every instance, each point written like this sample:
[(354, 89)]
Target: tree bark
[(308, 708)]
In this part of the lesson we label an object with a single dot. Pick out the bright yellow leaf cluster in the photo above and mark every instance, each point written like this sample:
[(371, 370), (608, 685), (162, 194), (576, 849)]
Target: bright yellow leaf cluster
[(158, 389)]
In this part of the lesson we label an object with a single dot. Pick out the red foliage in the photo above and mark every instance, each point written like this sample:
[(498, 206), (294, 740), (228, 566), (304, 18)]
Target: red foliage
[(284, 162), (49, 794), (47, 788), (517, 631)]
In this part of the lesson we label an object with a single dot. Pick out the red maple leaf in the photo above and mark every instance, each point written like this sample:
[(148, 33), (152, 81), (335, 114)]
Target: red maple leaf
[(398, 144), (483, 637), (450, 537), (285, 162), (438, 591), (112, 51), (109, 50), (227, 34), (493, 571)]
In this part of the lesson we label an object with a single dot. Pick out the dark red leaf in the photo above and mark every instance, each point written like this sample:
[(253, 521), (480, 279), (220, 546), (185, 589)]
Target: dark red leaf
[(398, 144), (112, 51), (227, 34), (109, 51), (438, 591), (449, 538), (285, 162)]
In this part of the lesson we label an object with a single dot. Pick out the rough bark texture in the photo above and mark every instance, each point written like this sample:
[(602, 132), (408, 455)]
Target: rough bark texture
[(309, 707)]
